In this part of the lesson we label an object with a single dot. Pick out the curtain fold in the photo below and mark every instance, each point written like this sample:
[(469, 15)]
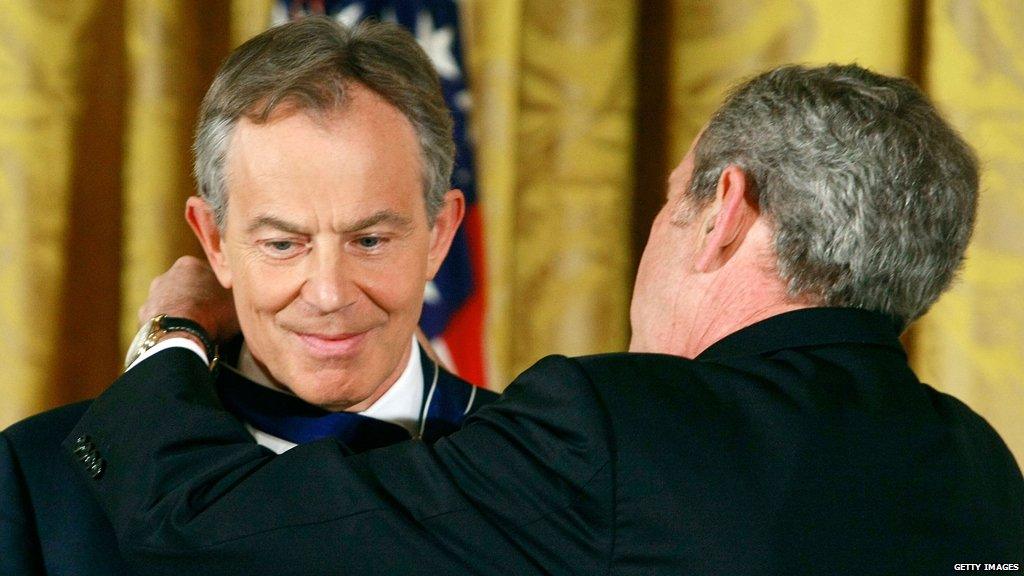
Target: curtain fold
[(571, 254), (972, 342), (492, 44), (552, 120), (162, 99), (42, 101), (718, 44)]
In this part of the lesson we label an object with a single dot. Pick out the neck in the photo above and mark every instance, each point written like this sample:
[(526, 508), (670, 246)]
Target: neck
[(724, 304), (711, 328)]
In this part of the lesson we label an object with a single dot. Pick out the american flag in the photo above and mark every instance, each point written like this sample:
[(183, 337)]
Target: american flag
[(453, 307)]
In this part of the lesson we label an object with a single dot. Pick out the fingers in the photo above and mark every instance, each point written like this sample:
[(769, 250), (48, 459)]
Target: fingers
[(189, 289), (191, 263)]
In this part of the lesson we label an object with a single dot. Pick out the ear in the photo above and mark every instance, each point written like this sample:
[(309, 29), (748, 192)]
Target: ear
[(443, 232), (725, 225), (200, 218)]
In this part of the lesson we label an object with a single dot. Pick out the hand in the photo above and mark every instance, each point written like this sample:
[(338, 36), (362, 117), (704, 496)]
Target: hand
[(190, 290)]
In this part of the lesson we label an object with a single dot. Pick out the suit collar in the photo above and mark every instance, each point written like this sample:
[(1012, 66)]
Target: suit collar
[(808, 327), (447, 400)]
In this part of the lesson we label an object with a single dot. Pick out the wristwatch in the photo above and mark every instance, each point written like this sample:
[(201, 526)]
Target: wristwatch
[(157, 326)]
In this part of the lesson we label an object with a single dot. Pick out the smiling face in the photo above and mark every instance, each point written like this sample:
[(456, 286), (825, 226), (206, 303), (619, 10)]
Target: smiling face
[(326, 246)]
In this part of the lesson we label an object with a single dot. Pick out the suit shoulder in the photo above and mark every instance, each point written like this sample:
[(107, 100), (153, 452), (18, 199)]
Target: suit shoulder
[(973, 434), (32, 446), (483, 397), (34, 443), (630, 365), (20, 551), (49, 427), (476, 396), (552, 381)]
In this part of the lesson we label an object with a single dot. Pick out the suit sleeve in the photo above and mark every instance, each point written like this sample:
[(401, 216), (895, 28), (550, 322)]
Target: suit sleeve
[(524, 488), (19, 546)]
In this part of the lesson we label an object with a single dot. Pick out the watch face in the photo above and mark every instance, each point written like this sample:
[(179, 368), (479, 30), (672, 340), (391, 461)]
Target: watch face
[(136, 348)]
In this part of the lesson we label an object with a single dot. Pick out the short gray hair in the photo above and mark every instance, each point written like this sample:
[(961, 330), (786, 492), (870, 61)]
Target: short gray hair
[(309, 63), (872, 195)]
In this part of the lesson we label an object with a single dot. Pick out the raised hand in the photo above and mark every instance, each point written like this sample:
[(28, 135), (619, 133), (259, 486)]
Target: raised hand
[(190, 290)]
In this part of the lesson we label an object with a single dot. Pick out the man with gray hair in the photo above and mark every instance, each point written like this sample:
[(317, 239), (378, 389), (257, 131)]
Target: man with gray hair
[(765, 420), (323, 157)]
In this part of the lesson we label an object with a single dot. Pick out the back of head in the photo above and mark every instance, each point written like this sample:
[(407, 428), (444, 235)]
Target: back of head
[(307, 65), (871, 194)]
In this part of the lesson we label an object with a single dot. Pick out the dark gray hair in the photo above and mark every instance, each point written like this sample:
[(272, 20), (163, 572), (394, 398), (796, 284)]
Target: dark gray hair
[(308, 64), (872, 195)]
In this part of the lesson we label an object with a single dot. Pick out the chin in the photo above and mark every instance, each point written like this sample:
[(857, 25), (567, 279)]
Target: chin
[(326, 400), (329, 391)]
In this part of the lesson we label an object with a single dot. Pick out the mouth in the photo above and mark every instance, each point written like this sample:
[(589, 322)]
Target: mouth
[(332, 345)]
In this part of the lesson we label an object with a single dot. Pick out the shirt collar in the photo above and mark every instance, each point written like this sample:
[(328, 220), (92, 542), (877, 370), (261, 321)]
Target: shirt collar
[(808, 327), (399, 405)]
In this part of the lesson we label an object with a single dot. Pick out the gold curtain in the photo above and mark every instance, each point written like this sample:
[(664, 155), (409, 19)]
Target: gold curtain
[(492, 41), (580, 110), (554, 92), (98, 102), (972, 343), (168, 52), (717, 44), (42, 70)]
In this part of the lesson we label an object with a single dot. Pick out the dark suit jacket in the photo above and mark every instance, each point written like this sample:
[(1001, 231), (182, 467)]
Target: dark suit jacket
[(801, 445), (50, 522)]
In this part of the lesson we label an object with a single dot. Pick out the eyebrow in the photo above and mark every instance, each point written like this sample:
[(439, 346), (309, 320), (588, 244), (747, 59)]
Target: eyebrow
[(266, 221), (379, 217)]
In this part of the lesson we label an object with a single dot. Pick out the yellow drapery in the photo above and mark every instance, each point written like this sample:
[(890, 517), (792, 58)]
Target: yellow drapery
[(580, 109), (170, 53), (554, 93), (717, 44), (40, 105), (972, 343)]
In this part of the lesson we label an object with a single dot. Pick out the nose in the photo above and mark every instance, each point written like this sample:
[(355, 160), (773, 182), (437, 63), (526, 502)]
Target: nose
[(329, 284)]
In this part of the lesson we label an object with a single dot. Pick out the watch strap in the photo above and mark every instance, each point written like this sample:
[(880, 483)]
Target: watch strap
[(177, 324)]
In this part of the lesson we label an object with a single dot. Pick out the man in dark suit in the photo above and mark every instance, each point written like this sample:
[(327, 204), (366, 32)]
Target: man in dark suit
[(339, 214), (765, 420)]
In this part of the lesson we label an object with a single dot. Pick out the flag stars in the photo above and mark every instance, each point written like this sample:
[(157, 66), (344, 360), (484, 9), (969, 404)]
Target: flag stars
[(431, 294), (462, 176), (437, 43), (463, 100), (278, 14), (350, 15)]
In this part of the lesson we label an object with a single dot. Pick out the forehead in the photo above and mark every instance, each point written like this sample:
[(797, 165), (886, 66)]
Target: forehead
[(359, 115), (359, 111), (365, 152)]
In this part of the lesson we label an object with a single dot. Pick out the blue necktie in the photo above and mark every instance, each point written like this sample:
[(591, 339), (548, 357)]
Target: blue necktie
[(292, 419)]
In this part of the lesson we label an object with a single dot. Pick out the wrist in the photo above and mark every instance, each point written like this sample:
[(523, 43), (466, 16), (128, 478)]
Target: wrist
[(163, 327), (168, 334)]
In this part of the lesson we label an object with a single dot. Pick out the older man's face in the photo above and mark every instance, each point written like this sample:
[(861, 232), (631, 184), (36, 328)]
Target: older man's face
[(327, 248)]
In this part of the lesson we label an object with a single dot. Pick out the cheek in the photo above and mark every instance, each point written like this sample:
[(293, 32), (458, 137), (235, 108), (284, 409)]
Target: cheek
[(396, 286), (262, 289), (398, 291)]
